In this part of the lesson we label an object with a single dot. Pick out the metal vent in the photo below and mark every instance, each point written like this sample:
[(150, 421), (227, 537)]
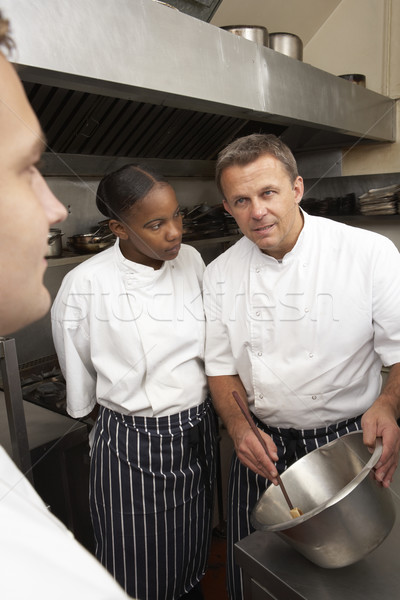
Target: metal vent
[(201, 9), (90, 124)]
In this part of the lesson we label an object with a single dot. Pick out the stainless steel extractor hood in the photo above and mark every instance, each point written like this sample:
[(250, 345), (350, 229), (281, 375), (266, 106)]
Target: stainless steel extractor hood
[(125, 80)]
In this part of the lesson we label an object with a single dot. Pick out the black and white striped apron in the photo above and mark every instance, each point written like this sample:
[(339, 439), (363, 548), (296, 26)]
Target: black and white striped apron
[(151, 497), (245, 487)]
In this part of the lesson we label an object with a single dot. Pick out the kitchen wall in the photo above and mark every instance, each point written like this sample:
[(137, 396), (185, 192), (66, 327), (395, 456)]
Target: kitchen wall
[(78, 195), (353, 40), (361, 36)]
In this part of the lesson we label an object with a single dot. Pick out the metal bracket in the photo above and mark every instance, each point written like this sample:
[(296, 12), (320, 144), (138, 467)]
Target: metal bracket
[(14, 406)]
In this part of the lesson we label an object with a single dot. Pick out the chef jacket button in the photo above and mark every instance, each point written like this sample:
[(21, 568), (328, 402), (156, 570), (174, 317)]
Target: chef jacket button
[(258, 313), (314, 397), (259, 353), (261, 396), (306, 310), (311, 355), (257, 270)]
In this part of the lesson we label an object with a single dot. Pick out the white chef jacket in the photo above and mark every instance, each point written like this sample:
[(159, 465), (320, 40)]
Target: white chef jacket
[(39, 557), (131, 337), (307, 335)]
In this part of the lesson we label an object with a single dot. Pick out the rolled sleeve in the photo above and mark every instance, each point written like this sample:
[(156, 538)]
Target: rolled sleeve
[(72, 345), (386, 303), (219, 359)]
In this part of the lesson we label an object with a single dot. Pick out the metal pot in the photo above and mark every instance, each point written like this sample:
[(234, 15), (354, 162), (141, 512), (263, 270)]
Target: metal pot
[(287, 43), (89, 243), (346, 513), (357, 78), (253, 33), (54, 246)]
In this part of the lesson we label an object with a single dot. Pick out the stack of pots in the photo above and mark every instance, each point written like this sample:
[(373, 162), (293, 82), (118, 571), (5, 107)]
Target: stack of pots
[(54, 245), (285, 43)]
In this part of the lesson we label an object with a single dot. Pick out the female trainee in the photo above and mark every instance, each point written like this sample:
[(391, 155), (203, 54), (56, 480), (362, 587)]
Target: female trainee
[(128, 327)]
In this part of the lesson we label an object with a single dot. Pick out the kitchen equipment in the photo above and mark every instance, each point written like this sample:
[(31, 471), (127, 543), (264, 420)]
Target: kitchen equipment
[(254, 33), (89, 243), (380, 201), (10, 385), (294, 512), (94, 242), (286, 43), (346, 513), (203, 221), (54, 246), (271, 569), (220, 93), (356, 78)]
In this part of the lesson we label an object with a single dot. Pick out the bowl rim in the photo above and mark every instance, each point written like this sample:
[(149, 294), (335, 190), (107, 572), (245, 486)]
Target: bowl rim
[(347, 489)]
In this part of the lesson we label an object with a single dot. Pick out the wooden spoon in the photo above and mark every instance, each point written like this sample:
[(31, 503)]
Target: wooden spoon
[(294, 512)]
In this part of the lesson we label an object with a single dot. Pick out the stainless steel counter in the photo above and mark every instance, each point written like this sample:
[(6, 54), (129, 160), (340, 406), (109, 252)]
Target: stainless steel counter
[(43, 425), (275, 571)]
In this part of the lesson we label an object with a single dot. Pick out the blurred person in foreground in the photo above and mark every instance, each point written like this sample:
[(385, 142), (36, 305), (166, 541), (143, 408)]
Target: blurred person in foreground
[(302, 313), (39, 557)]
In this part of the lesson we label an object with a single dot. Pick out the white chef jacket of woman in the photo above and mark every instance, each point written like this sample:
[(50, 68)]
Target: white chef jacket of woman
[(130, 337), (307, 335)]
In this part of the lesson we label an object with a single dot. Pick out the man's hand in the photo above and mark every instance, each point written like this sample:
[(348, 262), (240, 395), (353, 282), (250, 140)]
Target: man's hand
[(248, 449), (379, 421), (251, 453)]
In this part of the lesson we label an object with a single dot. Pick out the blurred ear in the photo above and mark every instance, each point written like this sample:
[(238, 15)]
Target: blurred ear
[(298, 189), (118, 229), (226, 206)]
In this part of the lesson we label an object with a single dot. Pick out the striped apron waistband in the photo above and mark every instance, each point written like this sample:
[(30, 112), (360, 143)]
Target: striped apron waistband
[(169, 424), (295, 440)]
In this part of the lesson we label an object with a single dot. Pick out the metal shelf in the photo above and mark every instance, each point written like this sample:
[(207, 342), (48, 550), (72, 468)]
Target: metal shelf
[(68, 259)]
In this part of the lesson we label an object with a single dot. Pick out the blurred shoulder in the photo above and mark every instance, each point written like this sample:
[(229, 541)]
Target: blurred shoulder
[(94, 268)]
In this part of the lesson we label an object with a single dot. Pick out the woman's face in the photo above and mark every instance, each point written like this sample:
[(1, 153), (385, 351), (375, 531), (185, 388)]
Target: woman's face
[(151, 232)]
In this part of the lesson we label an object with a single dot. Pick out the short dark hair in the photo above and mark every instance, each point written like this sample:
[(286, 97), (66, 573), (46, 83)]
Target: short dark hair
[(118, 191), (247, 149), (5, 37)]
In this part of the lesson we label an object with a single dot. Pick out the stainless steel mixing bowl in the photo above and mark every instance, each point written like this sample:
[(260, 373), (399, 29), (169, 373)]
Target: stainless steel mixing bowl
[(347, 514)]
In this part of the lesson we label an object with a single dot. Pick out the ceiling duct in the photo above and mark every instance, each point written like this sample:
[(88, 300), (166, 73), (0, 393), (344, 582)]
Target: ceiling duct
[(133, 79), (201, 9)]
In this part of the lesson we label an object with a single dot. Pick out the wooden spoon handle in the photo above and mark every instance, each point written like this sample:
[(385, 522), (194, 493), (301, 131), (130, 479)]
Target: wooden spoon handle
[(245, 410)]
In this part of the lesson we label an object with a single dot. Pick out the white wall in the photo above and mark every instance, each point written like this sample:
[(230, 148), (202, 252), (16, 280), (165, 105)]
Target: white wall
[(353, 40), (362, 36), (380, 158)]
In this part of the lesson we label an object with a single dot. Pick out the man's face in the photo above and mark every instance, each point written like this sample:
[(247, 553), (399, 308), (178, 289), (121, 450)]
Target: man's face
[(264, 203), (27, 208)]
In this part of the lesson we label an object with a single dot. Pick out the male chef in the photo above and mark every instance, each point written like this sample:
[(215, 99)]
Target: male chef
[(39, 557), (302, 313)]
